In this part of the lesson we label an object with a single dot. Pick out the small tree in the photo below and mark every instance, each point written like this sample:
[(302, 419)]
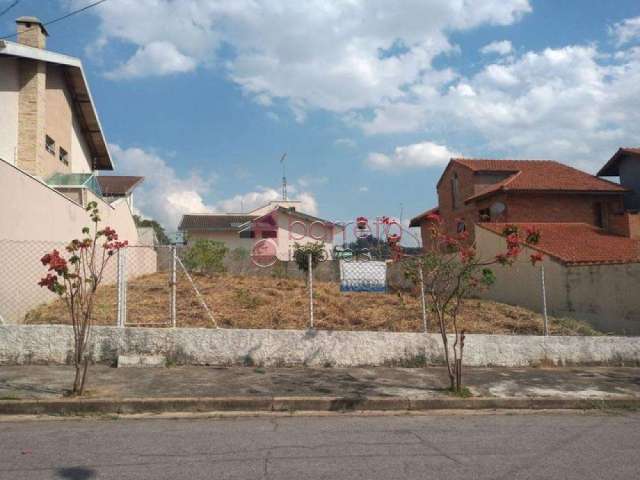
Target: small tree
[(76, 279), (452, 271), (301, 255), (206, 256), (161, 235)]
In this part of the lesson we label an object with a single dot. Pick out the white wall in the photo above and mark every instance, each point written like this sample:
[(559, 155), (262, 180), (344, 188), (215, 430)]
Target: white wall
[(605, 296), (34, 219), (53, 344), (291, 231), (9, 93), (29, 210)]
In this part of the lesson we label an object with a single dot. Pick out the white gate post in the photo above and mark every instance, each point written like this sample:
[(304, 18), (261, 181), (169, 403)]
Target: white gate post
[(121, 281), (173, 286), (544, 301), (311, 291)]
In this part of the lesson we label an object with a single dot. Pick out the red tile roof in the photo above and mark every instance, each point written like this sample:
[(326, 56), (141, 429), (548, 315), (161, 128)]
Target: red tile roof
[(610, 168), (578, 243), (537, 176), (415, 221)]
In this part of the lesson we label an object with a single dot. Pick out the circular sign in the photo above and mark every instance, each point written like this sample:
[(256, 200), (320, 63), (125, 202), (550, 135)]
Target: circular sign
[(264, 253)]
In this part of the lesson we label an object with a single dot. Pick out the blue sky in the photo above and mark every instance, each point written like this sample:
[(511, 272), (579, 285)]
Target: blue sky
[(368, 99)]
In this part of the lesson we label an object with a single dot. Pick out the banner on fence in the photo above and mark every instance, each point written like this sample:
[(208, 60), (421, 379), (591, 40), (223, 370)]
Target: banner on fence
[(369, 276)]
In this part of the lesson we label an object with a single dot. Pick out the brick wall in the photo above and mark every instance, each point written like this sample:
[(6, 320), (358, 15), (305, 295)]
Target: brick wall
[(521, 207), (31, 115), (559, 207)]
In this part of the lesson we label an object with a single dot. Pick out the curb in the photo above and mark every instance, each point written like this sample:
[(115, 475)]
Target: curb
[(301, 404)]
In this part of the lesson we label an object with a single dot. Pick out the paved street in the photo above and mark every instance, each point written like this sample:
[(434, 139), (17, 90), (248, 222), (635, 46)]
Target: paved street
[(541, 445)]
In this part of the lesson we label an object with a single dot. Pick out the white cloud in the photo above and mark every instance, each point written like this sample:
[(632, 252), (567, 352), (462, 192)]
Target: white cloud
[(418, 155), (345, 142), (363, 189), (251, 200), (625, 31), (502, 47), (371, 62), (326, 54), (572, 103), (156, 58), (164, 195)]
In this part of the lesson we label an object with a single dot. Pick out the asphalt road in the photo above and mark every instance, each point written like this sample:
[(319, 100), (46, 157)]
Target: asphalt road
[(558, 445)]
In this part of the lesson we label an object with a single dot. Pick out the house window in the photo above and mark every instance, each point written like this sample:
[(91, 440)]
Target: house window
[(461, 227), (49, 144), (455, 191), (269, 234), (484, 214), (63, 156), (600, 212), (247, 234)]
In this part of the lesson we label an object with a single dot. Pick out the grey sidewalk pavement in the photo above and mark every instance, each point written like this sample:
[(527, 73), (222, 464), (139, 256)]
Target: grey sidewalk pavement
[(50, 382)]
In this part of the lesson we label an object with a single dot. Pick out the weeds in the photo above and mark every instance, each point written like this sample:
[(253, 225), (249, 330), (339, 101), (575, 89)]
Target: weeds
[(266, 302)]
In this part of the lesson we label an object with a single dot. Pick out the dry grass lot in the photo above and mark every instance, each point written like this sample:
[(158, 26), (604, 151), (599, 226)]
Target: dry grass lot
[(266, 302)]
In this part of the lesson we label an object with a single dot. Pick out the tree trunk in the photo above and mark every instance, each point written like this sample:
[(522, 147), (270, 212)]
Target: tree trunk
[(459, 375), (76, 381), (84, 376)]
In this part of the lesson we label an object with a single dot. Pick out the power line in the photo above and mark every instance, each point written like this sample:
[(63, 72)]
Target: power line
[(16, 2), (59, 19)]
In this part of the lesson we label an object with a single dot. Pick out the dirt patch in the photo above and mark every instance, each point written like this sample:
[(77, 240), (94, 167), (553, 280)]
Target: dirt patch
[(282, 303)]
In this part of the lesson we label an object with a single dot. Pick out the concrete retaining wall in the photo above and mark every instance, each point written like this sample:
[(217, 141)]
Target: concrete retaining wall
[(52, 344)]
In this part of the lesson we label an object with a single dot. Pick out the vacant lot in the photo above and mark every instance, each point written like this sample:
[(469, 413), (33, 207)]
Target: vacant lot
[(266, 302)]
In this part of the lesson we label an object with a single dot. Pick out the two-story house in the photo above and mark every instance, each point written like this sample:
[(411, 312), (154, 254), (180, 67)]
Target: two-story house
[(472, 191), (589, 233), (52, 149), (274, 228), (52, 146)]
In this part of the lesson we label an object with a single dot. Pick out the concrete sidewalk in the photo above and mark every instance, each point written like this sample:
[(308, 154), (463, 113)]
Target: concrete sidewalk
[(253, 389)]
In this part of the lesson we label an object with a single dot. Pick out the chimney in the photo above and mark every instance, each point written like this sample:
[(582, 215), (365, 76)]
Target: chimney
[(31, 32), (32, 76)]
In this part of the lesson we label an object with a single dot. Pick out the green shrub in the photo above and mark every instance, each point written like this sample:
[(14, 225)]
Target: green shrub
[(206, 256), (301, 255)]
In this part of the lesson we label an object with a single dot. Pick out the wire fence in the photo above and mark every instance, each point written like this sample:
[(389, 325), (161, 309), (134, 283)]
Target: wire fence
[(160, 286)]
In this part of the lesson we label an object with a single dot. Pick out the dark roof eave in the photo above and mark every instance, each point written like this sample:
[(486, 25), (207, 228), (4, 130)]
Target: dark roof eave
[(479, 196), (610, 169), (417, 220)]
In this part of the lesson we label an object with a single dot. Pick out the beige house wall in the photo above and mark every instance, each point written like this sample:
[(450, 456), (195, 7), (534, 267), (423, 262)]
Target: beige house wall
[(58, 119), (30, 210), (36, 102), (80, 154), (608, 296), (35, 218), (230, 239), (603, 295), (291, 231), (9, 96)]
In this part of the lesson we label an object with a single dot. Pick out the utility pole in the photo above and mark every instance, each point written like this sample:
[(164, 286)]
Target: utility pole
[(284, 177)]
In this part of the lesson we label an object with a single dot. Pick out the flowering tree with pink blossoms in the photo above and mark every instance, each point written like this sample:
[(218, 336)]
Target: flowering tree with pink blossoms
[(452, 270), (75, 277)]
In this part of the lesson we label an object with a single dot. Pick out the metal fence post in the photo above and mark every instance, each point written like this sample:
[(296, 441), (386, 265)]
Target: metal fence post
[(121, 280), (310, 265), (544, 301), (173, 286), (422, 299)]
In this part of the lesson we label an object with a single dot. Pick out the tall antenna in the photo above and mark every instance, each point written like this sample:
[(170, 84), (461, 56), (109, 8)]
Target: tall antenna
[(284, 177)]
